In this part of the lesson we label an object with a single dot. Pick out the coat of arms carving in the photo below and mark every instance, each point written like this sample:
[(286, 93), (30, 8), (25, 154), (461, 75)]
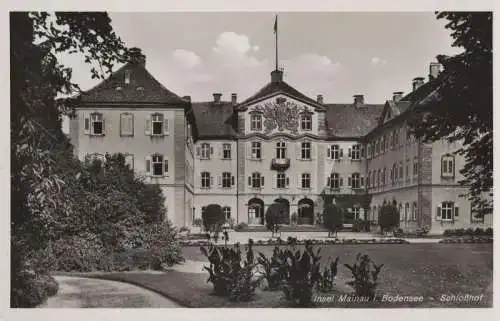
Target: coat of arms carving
[(282, 116)]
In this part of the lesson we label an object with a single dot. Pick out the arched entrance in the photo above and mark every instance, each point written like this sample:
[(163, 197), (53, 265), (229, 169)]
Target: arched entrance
[(256, 211), (285, 218), (306, 211)]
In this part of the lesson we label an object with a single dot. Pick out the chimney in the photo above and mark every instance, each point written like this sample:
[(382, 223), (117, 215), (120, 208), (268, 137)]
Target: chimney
[(434, 70), (319, 99), (217, 97), (359, 100), (417, 82), (187, 98), (136, 56), (276, 76), (397, 95), (234, 98)]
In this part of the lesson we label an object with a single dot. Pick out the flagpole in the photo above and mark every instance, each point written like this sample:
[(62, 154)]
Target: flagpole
[(276, 38)]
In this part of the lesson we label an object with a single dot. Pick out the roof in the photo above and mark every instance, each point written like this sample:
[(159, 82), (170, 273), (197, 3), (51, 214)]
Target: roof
[(152, 90), (275, 88), (346, 120), (214, 119)]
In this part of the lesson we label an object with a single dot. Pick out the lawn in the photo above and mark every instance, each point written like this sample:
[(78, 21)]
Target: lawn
[(429, 270)]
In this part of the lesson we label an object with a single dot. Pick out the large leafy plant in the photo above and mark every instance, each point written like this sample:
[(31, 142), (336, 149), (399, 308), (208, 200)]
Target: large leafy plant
[(327, 280), (365, 276)]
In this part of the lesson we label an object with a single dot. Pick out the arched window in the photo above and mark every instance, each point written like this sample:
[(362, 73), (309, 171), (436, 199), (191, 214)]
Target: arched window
[(407, 212)]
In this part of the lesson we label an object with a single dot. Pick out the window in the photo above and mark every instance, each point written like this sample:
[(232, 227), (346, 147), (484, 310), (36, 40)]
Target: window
[(157, 124), (394, 173), (369, 150), (305, 180), (256, 122), (205, 180), (256, 150), (334, 152), (227, 212), (334, 180), (401, 174), (97, 123), (127, 77), (401, 214), (127, 124), (226, 151), (414, 212), (415, 166), (256, 180), (407, 170), (282, 181), (374, 182), (395, 141), (383, 177), (159, 166), (447, 166), (280, 150), (355, 181), (378, 178), (447, 211), (368, 179), (356, 212), (129, 161), (205, 151), (355, 153), (382, 144), (377, 147), (305, 150), (306, 121), (407, 212), (227, 180)]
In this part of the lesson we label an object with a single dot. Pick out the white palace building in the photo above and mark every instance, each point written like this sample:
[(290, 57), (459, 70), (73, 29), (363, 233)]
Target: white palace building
[(275, 146)]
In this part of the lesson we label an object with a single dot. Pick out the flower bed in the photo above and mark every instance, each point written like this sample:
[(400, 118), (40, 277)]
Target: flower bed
[(273, 242), (468, 240)]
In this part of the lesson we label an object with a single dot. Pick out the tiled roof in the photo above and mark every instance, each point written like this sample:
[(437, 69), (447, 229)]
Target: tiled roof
[(214, 120), (278, 87), (150, 90), (346, 120)]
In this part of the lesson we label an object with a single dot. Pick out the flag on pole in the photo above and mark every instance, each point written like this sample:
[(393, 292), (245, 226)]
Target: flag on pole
[(276, 24)]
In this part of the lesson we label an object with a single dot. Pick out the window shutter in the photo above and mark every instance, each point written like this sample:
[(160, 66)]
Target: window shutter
[(166, 126), (362, 152), (249, 150), (148, 165), (328, 181), (211, 150), (313, 151), (220, 151), (165, 166), (456, 211), (86, 126), (329, 152), (131, 124), (287, 181), (349, 153), (249, 180), (341, 182), (443, 166), (103, 126), (349, 181), (362, 181), (219, 180), (299, 180), (275, 180), (147, 126), (198, 151), (232, 180), (211, 181), (262, 181), (299, 150), (341, 153), (438, 213)]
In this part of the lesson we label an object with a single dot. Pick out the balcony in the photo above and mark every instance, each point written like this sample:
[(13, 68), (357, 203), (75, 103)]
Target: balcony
[(280, 164)]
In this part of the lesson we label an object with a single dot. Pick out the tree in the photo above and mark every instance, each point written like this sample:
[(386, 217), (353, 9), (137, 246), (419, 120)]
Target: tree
[(389, 216), (333, 219), (37, 139), (213, 218), (274, 215), (461, 107)]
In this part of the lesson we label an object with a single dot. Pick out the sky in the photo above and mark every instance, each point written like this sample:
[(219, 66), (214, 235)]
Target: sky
[(337, 55)]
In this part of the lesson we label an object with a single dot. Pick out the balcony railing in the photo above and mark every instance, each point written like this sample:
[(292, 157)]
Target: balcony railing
[(280, 164)]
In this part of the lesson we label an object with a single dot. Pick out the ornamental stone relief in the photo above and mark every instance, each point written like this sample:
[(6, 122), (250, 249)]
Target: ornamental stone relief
[(283, 115)]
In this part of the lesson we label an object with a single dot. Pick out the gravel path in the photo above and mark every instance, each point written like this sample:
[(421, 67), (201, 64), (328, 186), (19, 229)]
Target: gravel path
[(76, 292)]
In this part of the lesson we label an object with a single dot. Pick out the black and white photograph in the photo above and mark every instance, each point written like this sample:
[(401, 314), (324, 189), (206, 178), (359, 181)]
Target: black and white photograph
[(267, 159)]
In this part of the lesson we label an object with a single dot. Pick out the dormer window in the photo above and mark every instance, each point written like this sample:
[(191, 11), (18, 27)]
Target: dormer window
[(127, 77), (306, 121), (256, 122)]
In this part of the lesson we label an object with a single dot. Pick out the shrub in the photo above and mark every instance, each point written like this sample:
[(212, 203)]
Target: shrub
[(213, 218), (32, 289), (230, 221), (389, 216), (489, 231), (365, 273), (292, 241), (273, 217), (333, 219), (424, 230), (185, 229), (327, 279), (230, 275), (398, 232), (301, 270), (197, 222), (241, 226), (469, 232)]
